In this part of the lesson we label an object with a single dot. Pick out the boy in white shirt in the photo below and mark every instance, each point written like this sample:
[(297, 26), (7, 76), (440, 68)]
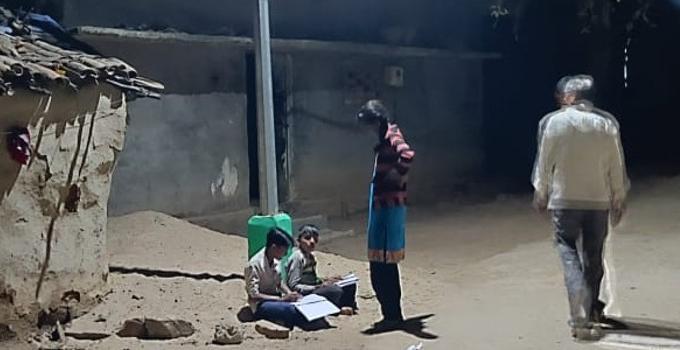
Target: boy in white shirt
[(267, 297)]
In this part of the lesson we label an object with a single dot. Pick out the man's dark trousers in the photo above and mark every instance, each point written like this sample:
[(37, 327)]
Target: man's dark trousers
[(584, 269)]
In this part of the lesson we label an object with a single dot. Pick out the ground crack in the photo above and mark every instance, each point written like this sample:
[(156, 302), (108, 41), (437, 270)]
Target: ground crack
[(174, 274)]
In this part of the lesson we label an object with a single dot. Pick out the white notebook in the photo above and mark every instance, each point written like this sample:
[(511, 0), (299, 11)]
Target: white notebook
[(347, 280), (314, 307)]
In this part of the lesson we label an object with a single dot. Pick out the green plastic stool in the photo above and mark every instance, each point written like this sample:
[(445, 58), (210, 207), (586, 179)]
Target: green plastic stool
[(259, 226)]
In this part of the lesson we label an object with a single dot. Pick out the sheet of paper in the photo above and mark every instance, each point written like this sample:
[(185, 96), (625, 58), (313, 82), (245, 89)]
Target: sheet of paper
[(347, 280), (314, 307), (309, 299)]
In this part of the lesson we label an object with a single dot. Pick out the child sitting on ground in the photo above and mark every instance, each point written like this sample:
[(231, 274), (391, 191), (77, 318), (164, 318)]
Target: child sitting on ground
[(267, 297), (302, 277)]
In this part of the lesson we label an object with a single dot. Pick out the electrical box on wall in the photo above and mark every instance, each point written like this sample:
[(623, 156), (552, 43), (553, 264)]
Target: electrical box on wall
[(394, 76)]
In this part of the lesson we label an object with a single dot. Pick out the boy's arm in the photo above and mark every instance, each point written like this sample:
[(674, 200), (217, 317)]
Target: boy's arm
[(253, 287)]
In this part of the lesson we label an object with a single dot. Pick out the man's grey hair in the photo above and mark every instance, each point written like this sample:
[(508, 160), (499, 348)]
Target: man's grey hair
[(583, 86)]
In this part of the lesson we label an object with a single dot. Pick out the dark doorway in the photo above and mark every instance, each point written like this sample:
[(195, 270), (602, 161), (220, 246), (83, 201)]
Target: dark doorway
[(281, 93), (253, 155)]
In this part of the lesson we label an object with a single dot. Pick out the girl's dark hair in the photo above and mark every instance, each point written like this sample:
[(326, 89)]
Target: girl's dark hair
[(308, 230), (278, 237), (372, 111)]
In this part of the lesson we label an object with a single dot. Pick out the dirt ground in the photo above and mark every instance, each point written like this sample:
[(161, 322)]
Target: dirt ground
[(480, 277), (502, 279), (146, 243)]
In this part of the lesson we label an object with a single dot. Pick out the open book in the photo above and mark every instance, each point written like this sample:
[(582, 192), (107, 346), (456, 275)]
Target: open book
[(314, 307), (347, 280)]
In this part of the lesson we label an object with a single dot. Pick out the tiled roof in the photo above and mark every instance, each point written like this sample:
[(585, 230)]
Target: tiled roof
[(28, 61)]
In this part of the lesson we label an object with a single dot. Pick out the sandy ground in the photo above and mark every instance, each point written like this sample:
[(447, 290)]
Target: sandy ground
[(503, 282), (155, 242), (488, 273)]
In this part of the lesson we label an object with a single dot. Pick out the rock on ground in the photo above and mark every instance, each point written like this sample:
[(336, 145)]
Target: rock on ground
[(156, 329), (272, 330), (228, 334)]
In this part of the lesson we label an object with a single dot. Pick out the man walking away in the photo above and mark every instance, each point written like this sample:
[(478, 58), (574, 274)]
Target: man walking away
[(580, 178)]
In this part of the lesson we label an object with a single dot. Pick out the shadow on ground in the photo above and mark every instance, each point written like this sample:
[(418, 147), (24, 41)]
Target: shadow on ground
[(245, 315), (415, 326), (642, 327)]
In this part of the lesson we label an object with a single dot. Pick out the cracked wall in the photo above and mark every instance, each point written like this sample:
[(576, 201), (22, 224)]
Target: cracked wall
[(193, 143), (53, 210)]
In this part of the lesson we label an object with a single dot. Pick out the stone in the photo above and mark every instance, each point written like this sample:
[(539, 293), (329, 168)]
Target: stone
[(155, 329), (226, 334), (87, 335), (7, 332), (132, 329), (272, 330), (51, 317), (71, 296), (168, 329)]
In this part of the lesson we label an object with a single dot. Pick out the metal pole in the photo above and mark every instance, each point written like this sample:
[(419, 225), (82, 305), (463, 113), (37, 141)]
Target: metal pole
[(269, 198)]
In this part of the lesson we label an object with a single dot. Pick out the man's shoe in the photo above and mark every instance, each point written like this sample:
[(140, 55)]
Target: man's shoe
[(599, 318), (597, 312), (588, 334), (606, 322)]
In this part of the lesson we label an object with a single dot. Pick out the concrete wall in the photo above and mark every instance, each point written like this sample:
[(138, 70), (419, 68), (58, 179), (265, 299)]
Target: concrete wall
[(439, 109), (75, 139), (451, 23), (186, 154)]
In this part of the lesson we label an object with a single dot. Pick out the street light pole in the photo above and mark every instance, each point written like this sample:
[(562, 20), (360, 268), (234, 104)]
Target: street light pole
[(269, 199)]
